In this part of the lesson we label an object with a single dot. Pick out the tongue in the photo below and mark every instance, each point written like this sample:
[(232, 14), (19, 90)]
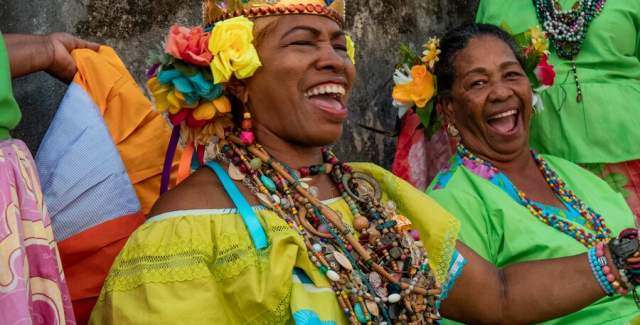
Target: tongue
[(327, 103), (503, 124)]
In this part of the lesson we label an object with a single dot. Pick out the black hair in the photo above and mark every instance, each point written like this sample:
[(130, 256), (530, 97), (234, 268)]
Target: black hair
[(456, 40)]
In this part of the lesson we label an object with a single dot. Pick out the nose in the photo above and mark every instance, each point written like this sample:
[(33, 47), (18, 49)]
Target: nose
[(330, 59), (500, 92)]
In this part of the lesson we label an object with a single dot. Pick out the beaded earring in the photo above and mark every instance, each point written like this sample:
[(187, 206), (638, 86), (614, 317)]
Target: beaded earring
[(246, 135), (452, 130)]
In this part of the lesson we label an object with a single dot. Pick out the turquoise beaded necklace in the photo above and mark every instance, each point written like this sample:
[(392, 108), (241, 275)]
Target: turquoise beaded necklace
[(560, 189)]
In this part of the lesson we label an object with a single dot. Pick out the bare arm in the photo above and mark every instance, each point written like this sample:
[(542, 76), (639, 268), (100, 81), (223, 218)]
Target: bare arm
[(521, 293), (50, 53)]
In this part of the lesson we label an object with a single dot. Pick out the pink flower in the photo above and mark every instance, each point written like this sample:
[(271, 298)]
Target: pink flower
[(544, 72), (189, 44)]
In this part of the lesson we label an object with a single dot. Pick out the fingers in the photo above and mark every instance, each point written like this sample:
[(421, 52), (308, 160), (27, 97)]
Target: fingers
[(71, 42)]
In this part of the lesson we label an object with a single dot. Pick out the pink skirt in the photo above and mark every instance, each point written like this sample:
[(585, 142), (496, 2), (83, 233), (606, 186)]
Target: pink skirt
[(32, 285), (625, 178)]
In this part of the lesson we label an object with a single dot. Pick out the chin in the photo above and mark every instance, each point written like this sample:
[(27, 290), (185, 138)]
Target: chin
[(324, 136)]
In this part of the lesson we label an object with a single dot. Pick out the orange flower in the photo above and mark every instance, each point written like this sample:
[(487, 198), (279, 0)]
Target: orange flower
[(419, 91), (189, 44)]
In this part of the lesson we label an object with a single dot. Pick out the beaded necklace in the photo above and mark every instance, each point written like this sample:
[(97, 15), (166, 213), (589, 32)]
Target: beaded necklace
[(562, 192), (568, 28), (381, 276)]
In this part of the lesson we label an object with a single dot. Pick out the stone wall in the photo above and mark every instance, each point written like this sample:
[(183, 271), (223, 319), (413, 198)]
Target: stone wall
[(133, 27)]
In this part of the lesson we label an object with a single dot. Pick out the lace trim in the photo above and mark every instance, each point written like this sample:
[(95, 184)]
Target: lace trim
[(280, 315), (184, 261)]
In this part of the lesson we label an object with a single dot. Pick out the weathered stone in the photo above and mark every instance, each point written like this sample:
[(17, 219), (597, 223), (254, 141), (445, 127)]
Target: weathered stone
[(133, 27)]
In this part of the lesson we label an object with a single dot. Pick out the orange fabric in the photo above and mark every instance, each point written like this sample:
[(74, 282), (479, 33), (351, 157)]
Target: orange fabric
[(87, 258), (140, 134), (184, 169)]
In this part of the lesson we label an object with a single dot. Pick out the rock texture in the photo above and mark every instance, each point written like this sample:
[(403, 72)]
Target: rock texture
[(133, 27)]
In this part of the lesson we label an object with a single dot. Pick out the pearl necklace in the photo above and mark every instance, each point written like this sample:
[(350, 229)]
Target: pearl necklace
[(382, 275), (568, 28), (564, 194)]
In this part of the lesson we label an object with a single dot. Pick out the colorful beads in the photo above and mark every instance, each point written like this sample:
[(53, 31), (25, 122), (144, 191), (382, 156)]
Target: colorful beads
[(593, 220)]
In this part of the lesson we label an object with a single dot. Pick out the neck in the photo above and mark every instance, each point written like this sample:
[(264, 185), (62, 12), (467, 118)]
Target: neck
[(296, 156), (292, 154)]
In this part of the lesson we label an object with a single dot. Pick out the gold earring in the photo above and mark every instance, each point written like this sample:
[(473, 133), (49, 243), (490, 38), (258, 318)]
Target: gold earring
[(453, 132)]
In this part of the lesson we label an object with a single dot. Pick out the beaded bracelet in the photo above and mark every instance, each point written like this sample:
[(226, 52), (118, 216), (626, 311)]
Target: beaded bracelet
[(625, 251), (607, 270), (597, 269)]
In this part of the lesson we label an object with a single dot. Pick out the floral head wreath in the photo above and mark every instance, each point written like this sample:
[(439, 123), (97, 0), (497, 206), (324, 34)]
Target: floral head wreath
[(416, 85), (187, 78)]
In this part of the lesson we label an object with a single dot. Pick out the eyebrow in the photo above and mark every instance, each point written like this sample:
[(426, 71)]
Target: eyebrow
[(483, 70), (316, 32)]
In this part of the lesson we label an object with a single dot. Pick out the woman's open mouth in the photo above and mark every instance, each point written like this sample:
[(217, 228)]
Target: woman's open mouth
[(505, 123), (328, 97)]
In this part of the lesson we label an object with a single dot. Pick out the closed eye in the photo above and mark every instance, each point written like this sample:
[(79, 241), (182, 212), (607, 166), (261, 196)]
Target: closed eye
[(513, 74), (302, 43)]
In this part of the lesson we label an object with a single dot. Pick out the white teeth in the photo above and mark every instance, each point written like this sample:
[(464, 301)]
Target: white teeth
[(505, 114), (326, 89)]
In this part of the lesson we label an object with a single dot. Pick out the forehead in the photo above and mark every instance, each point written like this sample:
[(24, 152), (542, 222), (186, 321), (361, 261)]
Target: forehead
[(278, 26), (486, 52)]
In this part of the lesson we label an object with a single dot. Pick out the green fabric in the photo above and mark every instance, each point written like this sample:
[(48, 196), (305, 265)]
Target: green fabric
[(504, 232), (9, 110), (603, 128)]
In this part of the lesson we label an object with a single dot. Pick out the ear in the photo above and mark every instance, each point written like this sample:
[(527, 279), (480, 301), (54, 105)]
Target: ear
[(445, 105), (238, 88)]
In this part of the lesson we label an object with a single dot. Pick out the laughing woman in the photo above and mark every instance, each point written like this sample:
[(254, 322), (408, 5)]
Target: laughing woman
[(515, 205), (274, 229)]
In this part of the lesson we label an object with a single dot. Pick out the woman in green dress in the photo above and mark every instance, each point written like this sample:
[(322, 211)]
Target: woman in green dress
[(515, 205), (274, 229), (590, 114)]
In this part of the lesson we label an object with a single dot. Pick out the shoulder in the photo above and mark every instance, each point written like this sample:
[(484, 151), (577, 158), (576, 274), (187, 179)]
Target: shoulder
[(201, 190), (573, 172)]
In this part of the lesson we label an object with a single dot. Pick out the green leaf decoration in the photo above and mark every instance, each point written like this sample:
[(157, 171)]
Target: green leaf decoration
[(185, 69), (425, 113), (408, 56), (617, 182), (597, 169)]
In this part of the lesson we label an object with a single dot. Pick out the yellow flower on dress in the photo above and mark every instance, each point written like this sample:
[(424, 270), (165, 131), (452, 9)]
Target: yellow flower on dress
[(538, 40), (231, 44), (165, 97), (418, 91), (204, 112), (351, 49), (431, 52), (222, 104)]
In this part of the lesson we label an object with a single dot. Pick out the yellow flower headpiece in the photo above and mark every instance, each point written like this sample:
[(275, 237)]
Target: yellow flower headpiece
[(217, 10), (187, 78)]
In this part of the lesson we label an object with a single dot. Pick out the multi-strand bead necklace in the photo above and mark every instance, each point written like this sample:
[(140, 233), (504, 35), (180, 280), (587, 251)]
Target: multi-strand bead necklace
[(568, 28), (382, 275), (593, 220)]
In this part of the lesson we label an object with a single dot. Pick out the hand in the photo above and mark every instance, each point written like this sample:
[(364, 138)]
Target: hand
[(51, 53), (60, 45)]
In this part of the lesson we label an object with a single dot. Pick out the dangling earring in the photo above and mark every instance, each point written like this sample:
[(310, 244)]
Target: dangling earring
[(246, 135), (453, 132)]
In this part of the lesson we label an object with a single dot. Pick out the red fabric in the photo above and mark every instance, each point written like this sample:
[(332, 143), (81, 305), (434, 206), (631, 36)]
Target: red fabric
[(87, 259), (417, 160), (410, 161), (631, 170)]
